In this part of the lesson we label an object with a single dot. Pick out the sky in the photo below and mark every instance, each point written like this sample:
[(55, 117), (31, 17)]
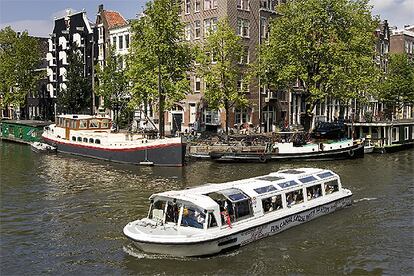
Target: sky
[(36, 16)]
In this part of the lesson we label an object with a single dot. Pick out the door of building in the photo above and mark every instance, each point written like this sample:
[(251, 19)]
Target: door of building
[(177, 120)]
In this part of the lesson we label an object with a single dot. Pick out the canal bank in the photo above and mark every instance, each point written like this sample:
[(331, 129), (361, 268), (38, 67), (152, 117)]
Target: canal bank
[(64, 213)]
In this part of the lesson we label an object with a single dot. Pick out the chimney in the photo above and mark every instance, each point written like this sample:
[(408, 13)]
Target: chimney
[(100, 8)]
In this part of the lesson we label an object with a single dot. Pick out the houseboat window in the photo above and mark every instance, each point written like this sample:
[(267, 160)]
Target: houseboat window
[(242, 210), (406, 133), (93, 123), (266, 189), (272, 203), (294, 197), (104, 123), (288, 184), (270, 178), (90, 140), (173, 211), (307, 179), (331, 186), (83, 123), (314, 191), (212, 222), (325, 175), (395, 134), (79, 139), (85, 140), (73, 124), (74, 138), (97, 141), (192, 217), (157, 210)]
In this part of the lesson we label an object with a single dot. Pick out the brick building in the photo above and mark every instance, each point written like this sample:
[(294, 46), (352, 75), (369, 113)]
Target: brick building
[(402, 41)]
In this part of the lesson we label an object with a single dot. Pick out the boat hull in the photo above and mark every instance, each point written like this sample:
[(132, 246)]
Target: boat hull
[(355, 151), (172, 154), (236, 240)]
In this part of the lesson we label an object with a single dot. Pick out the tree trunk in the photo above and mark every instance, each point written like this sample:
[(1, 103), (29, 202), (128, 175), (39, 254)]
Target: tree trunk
[(161, 99)]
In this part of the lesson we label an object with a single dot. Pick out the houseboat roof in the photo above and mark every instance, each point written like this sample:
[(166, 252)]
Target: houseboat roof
[(383, 123), (31, 123), (81, 116), (252, 187)]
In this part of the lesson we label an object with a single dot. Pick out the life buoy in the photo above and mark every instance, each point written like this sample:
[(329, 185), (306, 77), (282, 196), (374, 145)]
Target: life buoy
[(262, 158), (351, 153)]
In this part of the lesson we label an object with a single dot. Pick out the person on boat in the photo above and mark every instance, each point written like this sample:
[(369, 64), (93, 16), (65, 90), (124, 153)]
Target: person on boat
[(229, 208), (290, 200)]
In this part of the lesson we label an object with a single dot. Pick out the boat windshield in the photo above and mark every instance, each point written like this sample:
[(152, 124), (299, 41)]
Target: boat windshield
[(165, 211), (193, 217)]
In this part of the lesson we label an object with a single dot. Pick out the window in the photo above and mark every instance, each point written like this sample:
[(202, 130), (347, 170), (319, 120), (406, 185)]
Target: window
[(173, 211), (187, 6), (210, 4), (187, 32), (79, 139), (197, 84), (242, 85), (242, 209), (263, 28), (120, 43), (85, 140), (93, 123), (265, 189), (331, 186), (243, 5), (91, 140), (406, 133), (74, 138), (395, 134), (210, 25), (127, 41), (197, 5), (245, 57), (243, 27), (325, 175), (97, 141), (272, 203), (83, 124), (212, 222), (313, 191), (114, 41), (307, 179), (192, 217), (270, 178), (104, 123), (197, 29), (294, 197), (157, 210), (241, 116)]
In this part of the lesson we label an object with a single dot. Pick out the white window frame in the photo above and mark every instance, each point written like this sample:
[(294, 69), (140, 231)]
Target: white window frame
[(197, 79), (197, 28), (243, 5), (406, 133), (197, 6), (243, 27), (397, 134), (187, 32), (187, 6)]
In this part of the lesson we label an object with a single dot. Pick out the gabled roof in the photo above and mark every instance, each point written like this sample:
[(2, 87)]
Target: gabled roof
[(114, 19)]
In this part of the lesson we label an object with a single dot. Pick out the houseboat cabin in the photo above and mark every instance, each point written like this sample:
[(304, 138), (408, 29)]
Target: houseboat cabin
[(235, 211)]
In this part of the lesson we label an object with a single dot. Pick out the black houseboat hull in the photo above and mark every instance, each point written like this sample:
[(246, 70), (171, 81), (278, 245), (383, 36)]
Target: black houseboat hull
[(169, 155), (353, 152)]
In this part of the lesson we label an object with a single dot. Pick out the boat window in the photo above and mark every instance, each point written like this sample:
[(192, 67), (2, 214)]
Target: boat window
[(90, 140), (83, 123), (172, 212), (242, 210), (157, 210), (265, 189), (331, 186), (272, 203), (288, 184), (270, 178), (104, 123), (93, 123), (79, 139), (237, 197), (73, 124), (73, 138), (212, 222), (325, 175), (85, 140), (192, 217), (307, 179), (294, 197), (97, 141), (292, 172), (314, 191)]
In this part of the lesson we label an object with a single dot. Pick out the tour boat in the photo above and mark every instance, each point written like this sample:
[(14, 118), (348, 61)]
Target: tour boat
[(215, 218), (91, 136), (326, 150)]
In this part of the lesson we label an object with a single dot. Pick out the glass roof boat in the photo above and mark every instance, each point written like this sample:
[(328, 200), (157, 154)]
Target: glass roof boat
[(215, 218)]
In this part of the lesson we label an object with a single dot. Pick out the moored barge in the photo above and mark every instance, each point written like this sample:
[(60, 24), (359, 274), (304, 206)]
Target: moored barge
[(215, 218)]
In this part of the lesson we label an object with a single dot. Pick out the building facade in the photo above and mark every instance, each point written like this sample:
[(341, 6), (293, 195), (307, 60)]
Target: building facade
[(402, 41), (72, 30)]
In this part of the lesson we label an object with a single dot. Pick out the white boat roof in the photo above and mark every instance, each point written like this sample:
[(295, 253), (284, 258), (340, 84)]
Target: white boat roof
[(81, 116), (252, 187)]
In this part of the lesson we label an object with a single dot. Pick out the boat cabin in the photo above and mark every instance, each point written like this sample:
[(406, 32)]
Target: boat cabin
[(82, 123), (228, 204)]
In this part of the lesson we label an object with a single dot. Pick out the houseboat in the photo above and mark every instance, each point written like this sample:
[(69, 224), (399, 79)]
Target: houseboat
[(91, 136), (385, 136), (322, 150), (214, 218), (22, 131)]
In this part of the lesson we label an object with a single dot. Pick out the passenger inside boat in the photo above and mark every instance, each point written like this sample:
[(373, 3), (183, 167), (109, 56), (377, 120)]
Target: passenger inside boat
[(272, 203), (313, 191), (192, 217), (331, 186), (172, 212), (294, 197)]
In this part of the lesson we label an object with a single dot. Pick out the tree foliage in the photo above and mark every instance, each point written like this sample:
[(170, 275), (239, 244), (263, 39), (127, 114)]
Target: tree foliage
[(19, 57), (219, 57), (112, 84), (76, 98), (398, 86), (159, 59), (328, 45)]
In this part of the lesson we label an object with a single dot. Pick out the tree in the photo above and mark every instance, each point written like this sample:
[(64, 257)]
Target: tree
[(76, 98), (328, 45), (20, 56), (159, 59), (219, 58), (398, 86), (113, 84)]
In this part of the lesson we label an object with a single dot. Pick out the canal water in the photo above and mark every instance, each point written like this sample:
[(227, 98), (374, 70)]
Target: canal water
[(62, 214)]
